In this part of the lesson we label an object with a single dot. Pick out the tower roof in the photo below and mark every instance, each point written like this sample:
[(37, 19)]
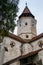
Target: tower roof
[(26, 13), (26, 10)]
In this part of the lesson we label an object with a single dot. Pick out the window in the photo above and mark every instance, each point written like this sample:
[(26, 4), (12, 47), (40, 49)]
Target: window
[(6, 49), (27, 36), (26, 23)]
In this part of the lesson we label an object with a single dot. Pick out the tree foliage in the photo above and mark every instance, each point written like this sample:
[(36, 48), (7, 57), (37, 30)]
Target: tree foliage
[(8, 13)]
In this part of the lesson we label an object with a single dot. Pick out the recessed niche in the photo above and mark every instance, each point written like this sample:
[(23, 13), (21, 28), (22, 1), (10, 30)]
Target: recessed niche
[(6, 49), (27, 36)]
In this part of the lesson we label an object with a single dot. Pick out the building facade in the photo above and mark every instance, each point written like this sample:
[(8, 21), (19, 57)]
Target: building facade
[(27, 47)]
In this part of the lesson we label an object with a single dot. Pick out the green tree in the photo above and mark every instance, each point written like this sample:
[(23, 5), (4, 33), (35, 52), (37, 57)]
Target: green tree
[(8, 13)]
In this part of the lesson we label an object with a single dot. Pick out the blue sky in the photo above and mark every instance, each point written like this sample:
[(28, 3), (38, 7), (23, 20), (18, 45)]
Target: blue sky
[(36, 8)]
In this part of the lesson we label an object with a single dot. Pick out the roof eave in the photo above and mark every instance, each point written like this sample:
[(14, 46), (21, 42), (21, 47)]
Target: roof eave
[(26, 15)]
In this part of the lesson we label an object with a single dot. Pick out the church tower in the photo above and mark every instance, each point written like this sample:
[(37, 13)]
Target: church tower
[(26, 25)]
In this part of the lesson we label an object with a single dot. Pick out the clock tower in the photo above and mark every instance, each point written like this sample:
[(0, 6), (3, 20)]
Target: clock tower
[(26, 24)]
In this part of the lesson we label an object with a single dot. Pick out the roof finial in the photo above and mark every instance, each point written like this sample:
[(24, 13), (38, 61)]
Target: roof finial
[(26, 3)]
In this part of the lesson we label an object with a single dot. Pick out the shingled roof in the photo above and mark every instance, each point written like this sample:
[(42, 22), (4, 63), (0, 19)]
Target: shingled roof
[(26, 13)]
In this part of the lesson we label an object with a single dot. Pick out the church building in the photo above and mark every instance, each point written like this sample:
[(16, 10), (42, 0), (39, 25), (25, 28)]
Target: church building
[(25, 48)]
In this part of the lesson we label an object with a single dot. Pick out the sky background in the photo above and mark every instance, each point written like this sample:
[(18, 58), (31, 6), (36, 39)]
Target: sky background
[(36, 8)]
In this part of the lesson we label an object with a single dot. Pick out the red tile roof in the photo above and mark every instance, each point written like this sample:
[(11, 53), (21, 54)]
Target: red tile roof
[(26, 12)]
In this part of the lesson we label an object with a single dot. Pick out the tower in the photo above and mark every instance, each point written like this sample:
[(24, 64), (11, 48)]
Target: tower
[(26, 24)]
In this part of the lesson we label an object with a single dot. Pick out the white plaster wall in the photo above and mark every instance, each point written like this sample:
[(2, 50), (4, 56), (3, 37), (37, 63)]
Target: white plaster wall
[(26, 48), (12, 52), (16, 63), (24, 30), (35, 44)]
